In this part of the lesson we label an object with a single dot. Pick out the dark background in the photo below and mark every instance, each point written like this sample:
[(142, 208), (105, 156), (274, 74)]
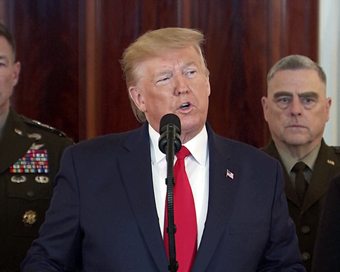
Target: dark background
[(69, 50)]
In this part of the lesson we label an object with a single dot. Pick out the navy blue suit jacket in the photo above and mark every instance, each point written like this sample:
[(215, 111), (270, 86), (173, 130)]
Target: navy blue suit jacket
[(103, 215)]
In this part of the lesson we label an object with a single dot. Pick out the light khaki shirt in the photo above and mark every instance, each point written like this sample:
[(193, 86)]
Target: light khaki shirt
[(309, 160)]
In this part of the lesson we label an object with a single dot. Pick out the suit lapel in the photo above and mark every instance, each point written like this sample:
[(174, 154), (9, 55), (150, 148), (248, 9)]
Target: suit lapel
[(14, 134), (139, 187), (222, 191)]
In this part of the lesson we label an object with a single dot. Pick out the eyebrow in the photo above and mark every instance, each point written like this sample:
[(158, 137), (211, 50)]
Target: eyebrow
[(305, 94), (279, 94), (169, 70), (309, 94)]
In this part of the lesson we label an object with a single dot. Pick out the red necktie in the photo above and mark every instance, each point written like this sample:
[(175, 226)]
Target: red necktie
[(184, 216)]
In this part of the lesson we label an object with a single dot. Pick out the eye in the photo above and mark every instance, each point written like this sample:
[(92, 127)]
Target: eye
[(163, 79), (283, 101), (308, 102), (191, 73)]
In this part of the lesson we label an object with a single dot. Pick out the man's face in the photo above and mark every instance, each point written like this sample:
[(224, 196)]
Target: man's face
[(296, 108), (174, 83), (9, 74)]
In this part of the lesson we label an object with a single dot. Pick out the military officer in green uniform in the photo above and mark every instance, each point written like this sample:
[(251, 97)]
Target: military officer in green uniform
[(29, 159), (297, 109)]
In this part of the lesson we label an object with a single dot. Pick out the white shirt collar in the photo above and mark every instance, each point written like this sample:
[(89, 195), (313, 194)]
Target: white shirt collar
[(197, 146)]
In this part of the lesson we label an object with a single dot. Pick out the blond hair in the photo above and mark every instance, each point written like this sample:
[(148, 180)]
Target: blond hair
[(152, 44)]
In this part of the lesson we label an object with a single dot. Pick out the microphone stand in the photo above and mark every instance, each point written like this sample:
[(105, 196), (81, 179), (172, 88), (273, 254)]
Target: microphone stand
[(170, 182)]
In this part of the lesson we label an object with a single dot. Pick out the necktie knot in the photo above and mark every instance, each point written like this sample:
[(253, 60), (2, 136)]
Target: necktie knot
[(183, 153), (299, 166)]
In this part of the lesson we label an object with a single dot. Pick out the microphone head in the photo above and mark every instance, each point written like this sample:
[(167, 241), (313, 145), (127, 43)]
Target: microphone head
[(170, 118), (170, 129)]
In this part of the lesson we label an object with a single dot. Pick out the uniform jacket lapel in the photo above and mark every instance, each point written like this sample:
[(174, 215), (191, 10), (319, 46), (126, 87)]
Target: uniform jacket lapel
[(139, 187), (14, 134), (222, 191), (326, 166), (271, 150)]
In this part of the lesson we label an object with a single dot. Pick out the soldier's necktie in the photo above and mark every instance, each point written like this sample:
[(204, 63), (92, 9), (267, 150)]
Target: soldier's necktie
[(300, 180), (184, 216)]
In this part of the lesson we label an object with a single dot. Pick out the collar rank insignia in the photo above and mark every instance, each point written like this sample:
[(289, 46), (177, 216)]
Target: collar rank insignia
[(34, 161), (331, 162)]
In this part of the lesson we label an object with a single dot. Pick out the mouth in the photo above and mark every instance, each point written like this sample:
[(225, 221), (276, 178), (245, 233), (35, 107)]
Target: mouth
[(296, 126), (185, 106)]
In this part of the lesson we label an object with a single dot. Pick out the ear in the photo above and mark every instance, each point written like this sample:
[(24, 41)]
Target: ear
[(136, 95), (264, 102), (328, 106), (16, 72), (208, 84)]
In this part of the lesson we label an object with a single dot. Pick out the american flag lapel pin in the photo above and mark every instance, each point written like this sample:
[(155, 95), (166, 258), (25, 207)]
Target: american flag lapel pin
[(229, 174)]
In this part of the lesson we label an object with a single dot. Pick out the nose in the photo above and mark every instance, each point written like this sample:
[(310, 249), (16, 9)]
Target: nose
[(296, 107), (181, 86)]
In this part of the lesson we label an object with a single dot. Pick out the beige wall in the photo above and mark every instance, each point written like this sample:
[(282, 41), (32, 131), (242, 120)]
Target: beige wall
[(329, 59)]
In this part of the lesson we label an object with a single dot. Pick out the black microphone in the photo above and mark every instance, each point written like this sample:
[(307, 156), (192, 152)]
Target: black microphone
[(170, 143), (170, 131)]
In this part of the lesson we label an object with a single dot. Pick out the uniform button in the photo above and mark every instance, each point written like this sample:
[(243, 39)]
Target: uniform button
[(30, 193), (305, 229), (29, 218), (305, 256)]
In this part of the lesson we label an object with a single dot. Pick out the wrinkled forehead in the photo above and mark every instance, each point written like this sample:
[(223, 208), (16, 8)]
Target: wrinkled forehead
[(6, 50), (302, 80), (169, 61)]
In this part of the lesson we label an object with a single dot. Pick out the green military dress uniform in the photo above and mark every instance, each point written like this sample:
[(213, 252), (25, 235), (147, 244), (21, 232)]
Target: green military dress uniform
[(30, 153), (307, 215)]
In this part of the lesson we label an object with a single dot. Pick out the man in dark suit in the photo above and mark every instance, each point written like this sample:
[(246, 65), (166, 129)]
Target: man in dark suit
[(108, 207), (296, 109), (327, 245), (29, 159)]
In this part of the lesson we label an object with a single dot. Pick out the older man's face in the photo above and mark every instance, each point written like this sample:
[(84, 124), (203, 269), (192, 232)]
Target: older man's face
[(9, 73), (174, 83), (296, 108)]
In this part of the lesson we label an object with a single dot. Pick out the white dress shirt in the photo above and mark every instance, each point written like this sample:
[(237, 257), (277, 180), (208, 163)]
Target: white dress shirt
[(197, 168)]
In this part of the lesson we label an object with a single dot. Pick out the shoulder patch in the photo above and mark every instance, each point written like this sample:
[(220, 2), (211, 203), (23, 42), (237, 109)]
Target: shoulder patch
[(43, 126)]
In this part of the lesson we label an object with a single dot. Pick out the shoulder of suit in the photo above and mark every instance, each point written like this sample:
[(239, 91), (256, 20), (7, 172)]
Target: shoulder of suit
[(42, 126)]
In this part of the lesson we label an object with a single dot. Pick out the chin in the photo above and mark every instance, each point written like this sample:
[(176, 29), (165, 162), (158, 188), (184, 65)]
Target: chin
[(190, 126), (295, 141)]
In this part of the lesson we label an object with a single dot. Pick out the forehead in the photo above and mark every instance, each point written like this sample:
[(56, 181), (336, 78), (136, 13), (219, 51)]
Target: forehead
[(303, 80), (172, 58), (5, 48), (4, 44)]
